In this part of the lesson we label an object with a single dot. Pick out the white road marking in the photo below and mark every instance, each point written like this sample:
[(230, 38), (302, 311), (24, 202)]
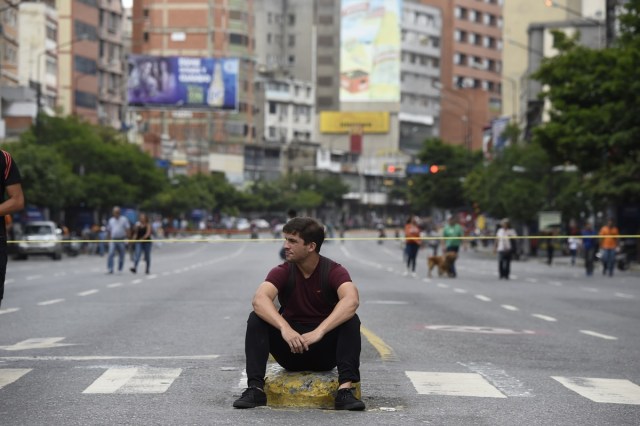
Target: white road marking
[(556, 283), (106, 358), (33, 277), (625, 296), (596, 334), (544, 317), (88, 292), (508, 385), (152, 276), (460, 290), (134, 380), (9, 281), (387, 302), (138, 281), (37, 343), (611, 391), (443, 285), (50, 302), (10, 375), (454, 384), (483, 298), (590, 289), (426, 280), (8, 311), (510, 308), (532, 280), (114, 285)]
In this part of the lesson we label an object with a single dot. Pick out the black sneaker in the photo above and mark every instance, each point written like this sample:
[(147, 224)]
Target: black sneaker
[(251, 397), (346, 401)]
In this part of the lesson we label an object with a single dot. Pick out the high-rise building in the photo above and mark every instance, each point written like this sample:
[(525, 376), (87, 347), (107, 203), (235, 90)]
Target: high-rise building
[(199, 140), (471, 68), (90, 66)]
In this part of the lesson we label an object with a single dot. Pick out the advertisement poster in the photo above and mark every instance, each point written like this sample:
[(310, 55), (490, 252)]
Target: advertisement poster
[(370, 45), (186, 82)]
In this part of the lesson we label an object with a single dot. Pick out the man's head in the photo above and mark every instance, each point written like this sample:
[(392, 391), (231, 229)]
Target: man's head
[(452, 220), (116, 211), (505, 222), (306, 229)]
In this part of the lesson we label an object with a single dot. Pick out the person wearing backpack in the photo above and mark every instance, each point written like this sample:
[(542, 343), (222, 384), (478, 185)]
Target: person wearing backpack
[(316, 327), (11, 186)]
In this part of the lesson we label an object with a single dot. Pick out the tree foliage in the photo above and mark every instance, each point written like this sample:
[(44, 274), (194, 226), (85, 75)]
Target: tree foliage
[(595, 114)]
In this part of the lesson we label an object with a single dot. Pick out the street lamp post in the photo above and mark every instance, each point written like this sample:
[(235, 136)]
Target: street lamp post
[(514, 106)]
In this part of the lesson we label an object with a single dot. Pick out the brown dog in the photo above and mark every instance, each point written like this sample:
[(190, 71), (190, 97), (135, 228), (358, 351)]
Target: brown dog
[(442, 262)]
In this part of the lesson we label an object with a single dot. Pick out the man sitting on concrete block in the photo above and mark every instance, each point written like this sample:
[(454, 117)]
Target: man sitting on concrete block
[(316, 327)]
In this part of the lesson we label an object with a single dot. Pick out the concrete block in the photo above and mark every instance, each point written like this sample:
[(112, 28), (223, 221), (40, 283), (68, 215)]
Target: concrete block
[(302, 389)]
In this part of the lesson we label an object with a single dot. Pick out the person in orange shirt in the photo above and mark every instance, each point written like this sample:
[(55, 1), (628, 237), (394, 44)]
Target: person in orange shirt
[(608, 244), (412, 243)]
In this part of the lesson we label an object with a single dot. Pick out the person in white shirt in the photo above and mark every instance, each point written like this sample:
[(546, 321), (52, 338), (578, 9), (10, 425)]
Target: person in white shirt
[(505, 243), (117, 232)]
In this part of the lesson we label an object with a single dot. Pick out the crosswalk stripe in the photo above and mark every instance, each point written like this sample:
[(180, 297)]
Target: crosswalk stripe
[(128, 380), (452, 384), (613, 391), (10, 375)]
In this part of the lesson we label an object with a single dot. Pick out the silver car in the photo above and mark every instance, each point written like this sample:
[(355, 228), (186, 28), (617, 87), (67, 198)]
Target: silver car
[(40, 237)]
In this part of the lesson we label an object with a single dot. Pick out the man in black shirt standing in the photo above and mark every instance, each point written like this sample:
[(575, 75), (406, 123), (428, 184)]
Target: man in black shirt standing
[(11, 184)]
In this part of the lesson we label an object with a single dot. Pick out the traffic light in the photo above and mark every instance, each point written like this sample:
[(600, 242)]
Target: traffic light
[(391, 168), (434, 169)]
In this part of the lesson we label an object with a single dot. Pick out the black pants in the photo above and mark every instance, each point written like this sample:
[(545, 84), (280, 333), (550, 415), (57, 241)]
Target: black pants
[(589, 255), (452, 268), (3, 270), (340, 347), (504, 263)]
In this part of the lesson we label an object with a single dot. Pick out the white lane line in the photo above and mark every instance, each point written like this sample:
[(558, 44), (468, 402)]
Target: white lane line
[(138, 281), (10, 375), (426, 280), (134, 380), (165, 273), (611, 391), (556, 283), (507, 384), (9, 281), (531, 280), (443, 285), (544, 317), (152, 276), (33, 277), (590, 289), (510, 308), (455, 384), (460, 290), (625, 295), (596, 334), (50, 302), (483, 298), (8, 310), (88, 292), (114, 285), (107, 358)]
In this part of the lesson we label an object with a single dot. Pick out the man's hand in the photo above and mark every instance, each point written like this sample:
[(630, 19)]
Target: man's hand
[(312, 337), (295, 341)]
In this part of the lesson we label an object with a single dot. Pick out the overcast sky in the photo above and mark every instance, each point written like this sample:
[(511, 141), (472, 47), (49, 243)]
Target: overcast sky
[(127, 3)]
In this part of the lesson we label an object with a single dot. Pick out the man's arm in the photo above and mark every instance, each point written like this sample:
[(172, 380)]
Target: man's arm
[(348, 303), (264, 307), (15, 202)]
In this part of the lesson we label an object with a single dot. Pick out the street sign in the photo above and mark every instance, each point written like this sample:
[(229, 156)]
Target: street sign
[(417, 169)]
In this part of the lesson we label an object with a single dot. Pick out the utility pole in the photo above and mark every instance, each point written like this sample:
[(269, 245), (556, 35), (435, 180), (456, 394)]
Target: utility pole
[(610, 21)]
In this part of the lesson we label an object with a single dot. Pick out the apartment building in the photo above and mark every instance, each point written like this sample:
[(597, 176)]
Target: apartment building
[(199, 139)]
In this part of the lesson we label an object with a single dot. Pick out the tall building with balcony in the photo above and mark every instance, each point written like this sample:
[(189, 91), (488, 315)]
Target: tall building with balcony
[(471, 68), (90, 67), (198, 140)]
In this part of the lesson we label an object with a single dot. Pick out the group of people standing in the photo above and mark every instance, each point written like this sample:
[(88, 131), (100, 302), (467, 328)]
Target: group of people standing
[(452, 234), (118, 231)]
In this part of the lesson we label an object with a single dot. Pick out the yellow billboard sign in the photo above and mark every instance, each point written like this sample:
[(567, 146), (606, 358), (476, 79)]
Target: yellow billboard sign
[(354, 122)]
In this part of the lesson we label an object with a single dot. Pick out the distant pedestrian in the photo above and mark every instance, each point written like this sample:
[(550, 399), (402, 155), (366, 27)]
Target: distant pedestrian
[(589, 247), (11, 185), (550, 248), (117, 232), (608, 245), (452, 234), (412, 243), (504, 247), (142, 236), (572, 242)]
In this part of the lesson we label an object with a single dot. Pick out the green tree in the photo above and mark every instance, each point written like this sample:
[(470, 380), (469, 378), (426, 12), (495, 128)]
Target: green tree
[(442, 189), (594, 112)]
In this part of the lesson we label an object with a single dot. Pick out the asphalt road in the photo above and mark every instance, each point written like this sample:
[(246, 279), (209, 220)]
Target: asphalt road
[(548, 347)]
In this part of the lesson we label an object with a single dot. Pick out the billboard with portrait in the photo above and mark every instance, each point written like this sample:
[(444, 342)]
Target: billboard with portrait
[(370, 46), (186, 82)]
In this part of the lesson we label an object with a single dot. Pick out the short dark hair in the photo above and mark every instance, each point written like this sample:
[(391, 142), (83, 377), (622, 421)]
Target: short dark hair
[(306, 228), (292, 213)]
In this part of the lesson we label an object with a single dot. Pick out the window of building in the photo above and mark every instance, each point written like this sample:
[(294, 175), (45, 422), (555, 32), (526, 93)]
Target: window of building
[(239, 39), (85, 100), (145, 36), (325, 20), (273, 108), (325, 101), (292, 19), (85, 65), (326, 41), (292, 40), (325, 81), (86, 31), (326, 60), (292, 59), (52, 33), (92, 3), (51, 66)]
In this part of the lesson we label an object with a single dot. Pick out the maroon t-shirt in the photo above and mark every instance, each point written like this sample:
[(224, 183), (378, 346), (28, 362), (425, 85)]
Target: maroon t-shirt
[(306, 304)]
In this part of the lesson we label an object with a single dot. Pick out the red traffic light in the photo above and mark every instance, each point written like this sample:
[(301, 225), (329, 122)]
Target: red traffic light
[(434, 168), (391, 168)]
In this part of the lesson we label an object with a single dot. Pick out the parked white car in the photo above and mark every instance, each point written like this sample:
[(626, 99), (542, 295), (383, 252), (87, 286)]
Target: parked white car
[(40, 237)]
